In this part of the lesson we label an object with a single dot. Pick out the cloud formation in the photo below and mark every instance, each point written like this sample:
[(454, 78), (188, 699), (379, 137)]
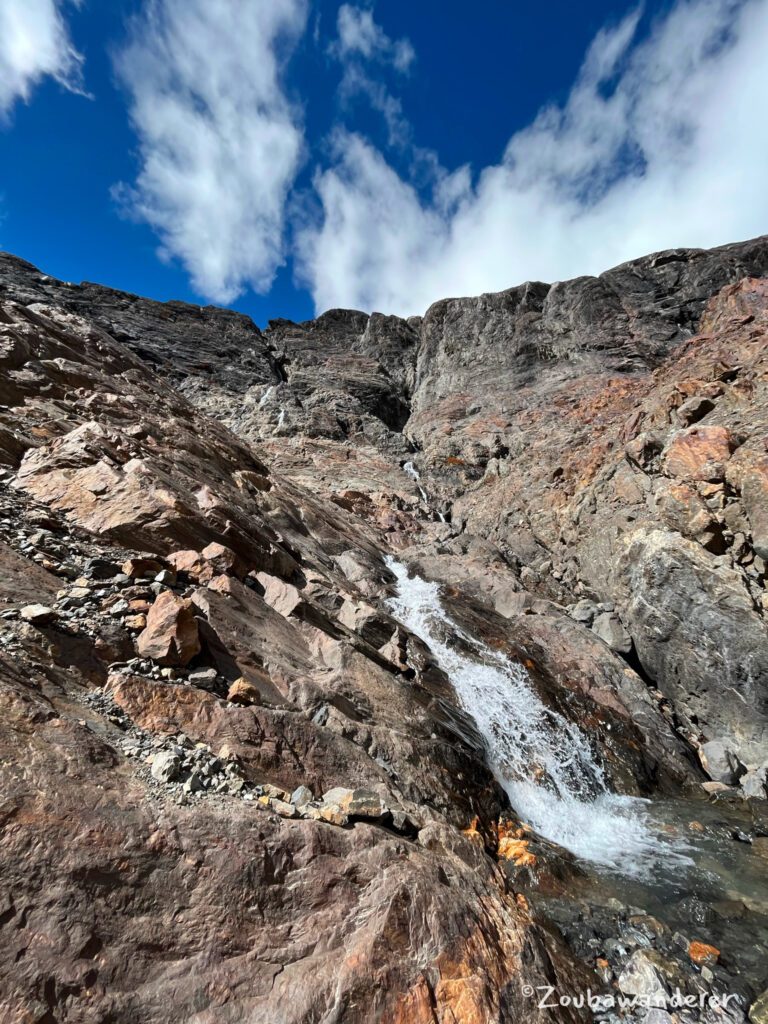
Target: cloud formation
[(361, 42), (360, 35), (661, 143), (220, 144), (34, 44)]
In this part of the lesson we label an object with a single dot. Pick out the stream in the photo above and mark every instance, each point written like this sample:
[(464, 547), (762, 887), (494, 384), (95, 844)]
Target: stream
[(687, 861)]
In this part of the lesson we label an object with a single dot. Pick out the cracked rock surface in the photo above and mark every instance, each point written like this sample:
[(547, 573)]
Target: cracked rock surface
[(232, 784)]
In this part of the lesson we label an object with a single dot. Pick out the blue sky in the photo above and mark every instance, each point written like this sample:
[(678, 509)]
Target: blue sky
[(284, 156)]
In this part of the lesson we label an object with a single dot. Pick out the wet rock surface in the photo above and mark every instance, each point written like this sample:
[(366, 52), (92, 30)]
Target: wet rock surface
[(234, 784)]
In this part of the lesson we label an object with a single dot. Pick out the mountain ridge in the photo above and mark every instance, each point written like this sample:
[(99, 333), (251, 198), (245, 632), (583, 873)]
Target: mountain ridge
[(196, 627)]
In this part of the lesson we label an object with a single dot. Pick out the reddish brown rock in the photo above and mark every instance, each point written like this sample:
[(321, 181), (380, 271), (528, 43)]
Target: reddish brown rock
[(214, 560), (171, 634), (244, 692), (145, 568), (188, 562), (282, 596), (703, 953), (543, 453), (699, 454)]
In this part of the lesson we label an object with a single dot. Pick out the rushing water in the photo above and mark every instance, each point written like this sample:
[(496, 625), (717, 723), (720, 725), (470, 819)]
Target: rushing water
[(543, 761), (413, 473)]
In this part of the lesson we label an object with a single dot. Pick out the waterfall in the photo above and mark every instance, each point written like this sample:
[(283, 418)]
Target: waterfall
[(542, 760), (413, 473)]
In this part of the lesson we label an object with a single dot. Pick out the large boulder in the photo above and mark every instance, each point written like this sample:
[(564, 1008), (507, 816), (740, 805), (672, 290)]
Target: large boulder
[(171, 634), (699, 636)]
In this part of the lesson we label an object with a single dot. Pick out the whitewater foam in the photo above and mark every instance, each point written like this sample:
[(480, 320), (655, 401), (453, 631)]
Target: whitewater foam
[(542, 760)]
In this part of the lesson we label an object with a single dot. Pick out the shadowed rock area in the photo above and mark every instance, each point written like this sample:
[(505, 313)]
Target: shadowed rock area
[(234, 786)]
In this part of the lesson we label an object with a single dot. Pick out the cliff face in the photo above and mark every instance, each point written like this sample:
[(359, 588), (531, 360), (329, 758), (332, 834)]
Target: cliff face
[(233, 783)]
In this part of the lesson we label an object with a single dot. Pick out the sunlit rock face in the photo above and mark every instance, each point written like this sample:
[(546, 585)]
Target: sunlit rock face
[(319, 643)]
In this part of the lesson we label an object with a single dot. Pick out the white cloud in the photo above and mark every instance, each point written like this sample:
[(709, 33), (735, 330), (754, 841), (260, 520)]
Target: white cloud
[(661, 143), (361, 41), (34, 43), (356, 82), (360, 35), (220, 144)]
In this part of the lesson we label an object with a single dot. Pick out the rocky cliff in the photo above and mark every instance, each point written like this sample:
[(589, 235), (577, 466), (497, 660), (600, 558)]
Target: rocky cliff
[(235, 785)]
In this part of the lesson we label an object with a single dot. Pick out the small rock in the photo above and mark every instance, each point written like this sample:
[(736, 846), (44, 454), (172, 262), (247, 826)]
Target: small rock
[(142, 568), (336, 795), (365, 804), (332, 813), (640, 978), (702, 953), (720, 762), (694, 409), (37, 614), (165, 766), (715, 787), (171, 634), (301, 796), (657, 1016), (243, 692), (755, 783), (194, 783), (584, 611), (166, 577), (274, 792), (100, 569), (204, 678), (609, 627), (356, 803), (284, 809), (282, 596)]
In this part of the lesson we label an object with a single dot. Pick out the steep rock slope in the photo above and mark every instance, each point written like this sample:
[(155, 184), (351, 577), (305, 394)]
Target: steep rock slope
[(558, 425), (194, 523), (187, 639)]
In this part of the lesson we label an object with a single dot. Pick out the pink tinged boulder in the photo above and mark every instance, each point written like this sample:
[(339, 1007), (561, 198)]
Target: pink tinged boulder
[(171, 635), (222, 559), (214, 560), (699, 454), (282, 596)]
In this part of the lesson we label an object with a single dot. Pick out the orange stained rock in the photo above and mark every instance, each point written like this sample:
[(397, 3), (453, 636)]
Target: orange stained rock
[(522, 903), (699, 453), (472, 832), (242, 691), (416, 1006), (702, 953), (507, 828), (516, 850)]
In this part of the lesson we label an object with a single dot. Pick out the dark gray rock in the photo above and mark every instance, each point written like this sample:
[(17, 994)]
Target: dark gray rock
[(697, 635)]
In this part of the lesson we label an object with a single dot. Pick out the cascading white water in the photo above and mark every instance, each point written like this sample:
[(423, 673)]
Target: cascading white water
[(413, 473), (543, 761)]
